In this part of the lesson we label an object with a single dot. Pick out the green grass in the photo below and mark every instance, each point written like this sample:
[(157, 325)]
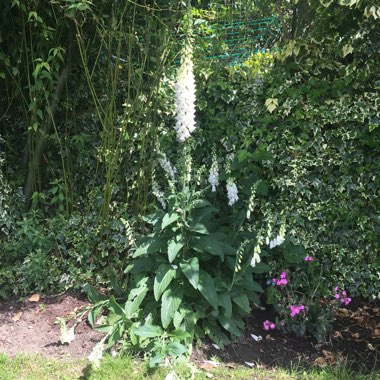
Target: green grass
[(38, 368)]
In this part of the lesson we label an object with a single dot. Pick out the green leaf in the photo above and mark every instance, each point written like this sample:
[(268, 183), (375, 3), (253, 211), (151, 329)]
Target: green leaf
[(180, 334), (229, 325), (94, 296), (116, 334), (271, 104), (170, 301), (104, 328), (243, 302), (216, 334), (168, 219), (225, 302), (114, 307), (175, 349), (200, 203), (164, 276), (261, 268), (293, 253), (207, 287), (148, 331), (92, 315), (141, 265), (149, 245), (174, 246), (208, 244), (200, 228), (136, 296), (190, 268)]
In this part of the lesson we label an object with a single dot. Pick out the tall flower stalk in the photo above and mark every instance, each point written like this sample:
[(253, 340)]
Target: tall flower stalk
[(185, 92)]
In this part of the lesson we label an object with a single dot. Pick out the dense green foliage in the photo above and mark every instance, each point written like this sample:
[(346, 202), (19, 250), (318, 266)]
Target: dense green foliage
[(87, 130)]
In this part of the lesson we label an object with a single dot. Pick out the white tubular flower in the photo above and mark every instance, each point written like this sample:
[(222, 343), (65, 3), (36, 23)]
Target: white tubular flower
[(185, 96), (213, 177), (159, 194), (278, 240), (97, 354), (256, 256), (232, 192), (167, 166)]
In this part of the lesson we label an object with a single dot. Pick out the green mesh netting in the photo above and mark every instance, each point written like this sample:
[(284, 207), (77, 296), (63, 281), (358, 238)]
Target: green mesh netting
[(234, 41)]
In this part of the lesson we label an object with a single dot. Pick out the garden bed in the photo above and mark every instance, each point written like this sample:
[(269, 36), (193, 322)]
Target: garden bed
[(30, 327)]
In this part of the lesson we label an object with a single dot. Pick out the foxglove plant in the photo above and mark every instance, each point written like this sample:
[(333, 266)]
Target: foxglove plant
[(232, 192), (213, 177), (185, 95)]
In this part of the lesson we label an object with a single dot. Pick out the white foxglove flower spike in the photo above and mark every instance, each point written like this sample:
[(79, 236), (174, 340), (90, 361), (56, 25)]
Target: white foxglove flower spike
[(185, 96), (232, 192)]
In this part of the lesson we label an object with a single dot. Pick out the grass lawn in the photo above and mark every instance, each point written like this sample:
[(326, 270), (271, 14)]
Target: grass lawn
[(39, 368)]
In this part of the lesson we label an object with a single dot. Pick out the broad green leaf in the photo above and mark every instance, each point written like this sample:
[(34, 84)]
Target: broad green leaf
[(190, 268), (225, 302), (250, 284), (200, 228), (148, 331), (164, 276), (210, 245), (178, 318), (174, 246), (216, 334), (261, 268), (94, 296), (170, 301), (175, 349), (116, 334), (207, 287), (141, 265), (294, 253), (104, 328), (168, 219), (229, 325), (114, 307), (92, 315), (136, 296), (243, 302), (200, 203), (180, 334), (147, 245)]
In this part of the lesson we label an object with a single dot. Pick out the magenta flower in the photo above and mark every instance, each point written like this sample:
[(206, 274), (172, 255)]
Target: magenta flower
[(309, 258), (282, 281), (268, 325), (294, 309), (341, 296)]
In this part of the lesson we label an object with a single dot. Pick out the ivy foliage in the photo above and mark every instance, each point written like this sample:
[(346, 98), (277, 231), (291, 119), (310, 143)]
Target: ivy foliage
[(315, 111)]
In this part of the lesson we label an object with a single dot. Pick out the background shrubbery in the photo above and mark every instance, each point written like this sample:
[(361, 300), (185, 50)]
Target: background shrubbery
[(296, 129)]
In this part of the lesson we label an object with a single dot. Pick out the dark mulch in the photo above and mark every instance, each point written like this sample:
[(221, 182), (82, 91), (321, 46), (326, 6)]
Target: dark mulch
[(355, 337)]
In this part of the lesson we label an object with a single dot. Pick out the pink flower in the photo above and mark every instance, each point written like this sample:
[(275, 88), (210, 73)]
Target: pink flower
[(341, 296), (268, 325), (282, 281), (294, 309), (309, 258)]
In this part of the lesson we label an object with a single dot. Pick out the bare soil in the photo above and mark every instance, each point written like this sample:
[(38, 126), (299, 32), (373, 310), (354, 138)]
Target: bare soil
[(30, 327)]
